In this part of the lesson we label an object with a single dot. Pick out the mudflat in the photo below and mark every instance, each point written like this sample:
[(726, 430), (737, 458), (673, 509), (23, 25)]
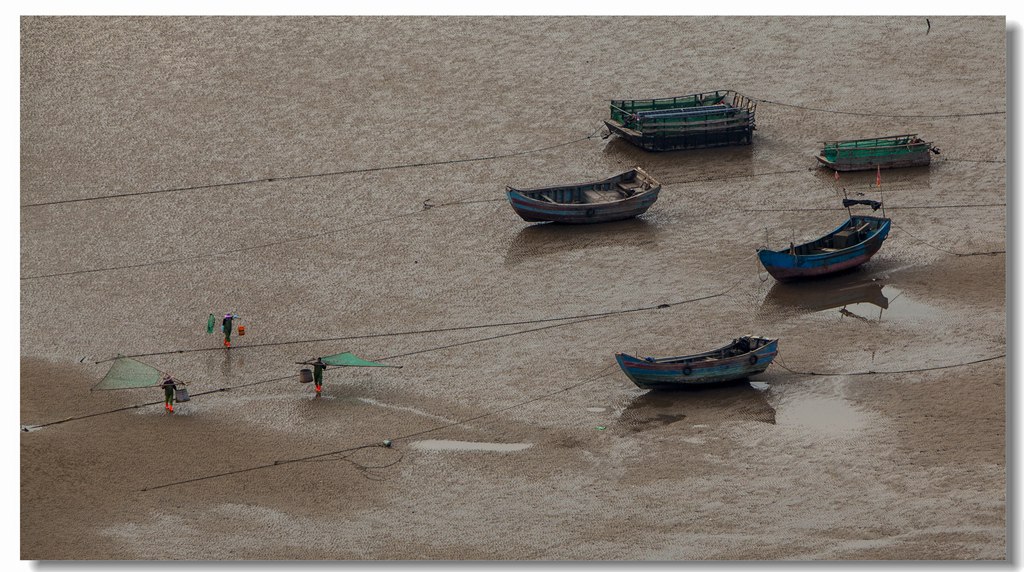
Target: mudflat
[(341, 179)]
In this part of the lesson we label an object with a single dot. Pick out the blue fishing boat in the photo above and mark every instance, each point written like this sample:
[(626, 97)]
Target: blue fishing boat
[(848, 246), (743, 357), (623, 196)]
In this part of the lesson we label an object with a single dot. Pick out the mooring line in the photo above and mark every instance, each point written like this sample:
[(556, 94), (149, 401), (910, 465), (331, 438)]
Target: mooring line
[(221, 252), (782, 364), (875, 114), (600, 375), (427, 206), (888, 207), (587, 318), (437, 330), (988, 253), (27, 428), (308, 458), (315, 175), (742, 176)]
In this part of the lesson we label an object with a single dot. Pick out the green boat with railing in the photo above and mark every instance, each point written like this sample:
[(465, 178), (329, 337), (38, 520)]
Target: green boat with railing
[(710, 119), (877, 152)]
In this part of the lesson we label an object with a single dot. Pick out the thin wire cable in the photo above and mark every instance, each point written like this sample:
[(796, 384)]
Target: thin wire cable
[(989, 253), (887, 207), (315, 175), (781, 363), (872, 114), (727, 177), (256, 246), (140, 405), (426, 206), (412, 213), (221, 252), (956, 160), (450, 329), (437, 348), (489, 338), (309, 458)]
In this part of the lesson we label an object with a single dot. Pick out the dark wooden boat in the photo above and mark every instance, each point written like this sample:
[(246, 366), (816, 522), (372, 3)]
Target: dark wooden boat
[(743, 357), (851, 244), (876, 152), (622, 196), (710, 119)]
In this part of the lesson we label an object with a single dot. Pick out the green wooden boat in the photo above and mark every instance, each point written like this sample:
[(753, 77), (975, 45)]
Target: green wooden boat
[(876, 152), (710, 119)]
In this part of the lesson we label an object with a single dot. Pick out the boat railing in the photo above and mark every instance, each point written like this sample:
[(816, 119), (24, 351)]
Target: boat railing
[(676, 102), (621, 115), (857, 142), (907, 145), (724, 116), (897, 145)]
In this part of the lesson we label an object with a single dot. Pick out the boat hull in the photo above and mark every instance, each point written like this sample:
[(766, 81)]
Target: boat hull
[(786, 267), (620, 197), (680, 375), (532, 210), (921, 159), (698, 120), (692, 139)]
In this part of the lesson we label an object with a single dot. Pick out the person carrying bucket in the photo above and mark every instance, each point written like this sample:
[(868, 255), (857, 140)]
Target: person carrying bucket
[(318, 374), (226, 328), (169, 386)]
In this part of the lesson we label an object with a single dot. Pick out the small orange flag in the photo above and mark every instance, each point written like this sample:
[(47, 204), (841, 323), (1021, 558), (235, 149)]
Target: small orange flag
[(878, 177)]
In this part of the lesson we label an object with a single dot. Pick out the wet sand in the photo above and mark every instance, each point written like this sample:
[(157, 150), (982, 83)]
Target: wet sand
[(528, 446)]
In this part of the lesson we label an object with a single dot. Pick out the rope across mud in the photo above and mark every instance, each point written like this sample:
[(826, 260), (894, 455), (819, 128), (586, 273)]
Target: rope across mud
[(343, 454), (426, 206), (782, 364), (492, 157), (314, 175), (602, 374)]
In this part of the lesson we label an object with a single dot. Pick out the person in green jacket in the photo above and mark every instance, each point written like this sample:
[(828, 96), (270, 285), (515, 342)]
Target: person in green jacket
[(226, 328), (318, 374), (168, 384)]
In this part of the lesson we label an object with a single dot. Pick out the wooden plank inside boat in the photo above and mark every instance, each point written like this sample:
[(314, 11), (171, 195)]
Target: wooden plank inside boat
[(595, 196)]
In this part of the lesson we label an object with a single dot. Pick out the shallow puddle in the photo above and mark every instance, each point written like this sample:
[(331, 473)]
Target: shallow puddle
[(899, 307), (444, 445), (827, 416)]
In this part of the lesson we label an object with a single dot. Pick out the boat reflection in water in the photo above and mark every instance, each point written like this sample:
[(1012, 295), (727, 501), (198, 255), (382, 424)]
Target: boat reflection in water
[(742, 401), (539, 240), (855, 296)]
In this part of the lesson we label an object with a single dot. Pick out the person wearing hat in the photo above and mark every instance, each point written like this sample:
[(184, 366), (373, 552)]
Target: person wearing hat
[(226, 327), (318, 374)]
